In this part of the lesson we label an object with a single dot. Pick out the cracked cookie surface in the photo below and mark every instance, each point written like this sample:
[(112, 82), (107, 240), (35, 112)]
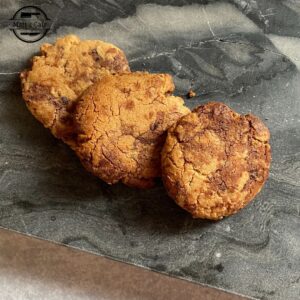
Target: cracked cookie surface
[(215, 161), (61, 73), (121, 123)]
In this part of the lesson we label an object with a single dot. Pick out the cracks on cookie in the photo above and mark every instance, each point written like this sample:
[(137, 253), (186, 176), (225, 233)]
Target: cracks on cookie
[(224, 190), (132, 146)]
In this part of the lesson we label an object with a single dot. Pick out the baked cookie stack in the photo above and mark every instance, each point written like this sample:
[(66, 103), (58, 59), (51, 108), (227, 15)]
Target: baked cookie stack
[(129, 127)]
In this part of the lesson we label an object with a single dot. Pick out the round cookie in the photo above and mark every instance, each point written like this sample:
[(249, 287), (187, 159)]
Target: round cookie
[(121, 123), (215, 161), (61, 73)]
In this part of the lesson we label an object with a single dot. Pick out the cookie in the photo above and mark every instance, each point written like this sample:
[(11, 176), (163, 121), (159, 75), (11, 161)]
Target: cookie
[(61, 73), (215, 161), (121, 124)]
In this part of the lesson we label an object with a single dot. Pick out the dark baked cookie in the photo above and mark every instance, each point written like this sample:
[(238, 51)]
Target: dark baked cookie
[(215, 161), (121, 125), (61, 73)]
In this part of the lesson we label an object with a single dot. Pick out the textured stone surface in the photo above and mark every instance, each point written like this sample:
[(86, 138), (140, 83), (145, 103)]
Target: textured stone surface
[(224, 52), (31, 269)]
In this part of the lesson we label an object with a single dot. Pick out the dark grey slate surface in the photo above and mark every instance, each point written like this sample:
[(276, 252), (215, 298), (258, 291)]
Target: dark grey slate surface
[(245, 53)]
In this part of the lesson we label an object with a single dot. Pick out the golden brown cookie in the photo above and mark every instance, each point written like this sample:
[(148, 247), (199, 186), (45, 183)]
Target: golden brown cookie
[(215, 161), (122, 121), (61, 73)]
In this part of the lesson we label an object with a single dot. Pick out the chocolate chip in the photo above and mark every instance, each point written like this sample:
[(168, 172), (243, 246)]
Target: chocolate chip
[(154, 125), (64, 100), (96, 57)]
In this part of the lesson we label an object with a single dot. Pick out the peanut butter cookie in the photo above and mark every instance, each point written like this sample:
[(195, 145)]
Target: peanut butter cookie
[(61, 73), (121, 124), (215, 161)]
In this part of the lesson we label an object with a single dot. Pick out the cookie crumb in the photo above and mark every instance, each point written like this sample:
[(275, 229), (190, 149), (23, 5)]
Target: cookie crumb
[(191, 94)]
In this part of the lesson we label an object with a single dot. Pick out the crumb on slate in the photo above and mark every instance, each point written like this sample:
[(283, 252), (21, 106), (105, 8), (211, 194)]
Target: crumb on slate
[(191, 94)]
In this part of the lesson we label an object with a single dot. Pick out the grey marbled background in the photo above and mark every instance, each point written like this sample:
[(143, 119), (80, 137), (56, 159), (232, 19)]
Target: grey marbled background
[(245, 53)]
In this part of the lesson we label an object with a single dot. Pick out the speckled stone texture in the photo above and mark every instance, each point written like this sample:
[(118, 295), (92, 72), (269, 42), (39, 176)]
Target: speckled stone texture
[(32, 269), (244, 53)]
